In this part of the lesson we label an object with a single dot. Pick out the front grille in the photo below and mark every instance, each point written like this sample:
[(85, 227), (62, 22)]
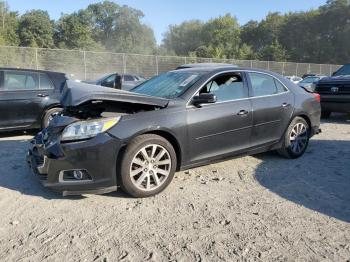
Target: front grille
[(333, 89)]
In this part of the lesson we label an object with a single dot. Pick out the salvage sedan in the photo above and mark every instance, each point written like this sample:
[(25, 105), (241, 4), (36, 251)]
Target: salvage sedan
[(137, 140)]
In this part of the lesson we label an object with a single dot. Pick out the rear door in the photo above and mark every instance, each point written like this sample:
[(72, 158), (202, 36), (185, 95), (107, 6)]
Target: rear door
[(272, 105), (23, 97)]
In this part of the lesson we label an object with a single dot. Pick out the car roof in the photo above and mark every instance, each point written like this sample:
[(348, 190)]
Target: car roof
[(204, 65), (211, 69), (30, 70)]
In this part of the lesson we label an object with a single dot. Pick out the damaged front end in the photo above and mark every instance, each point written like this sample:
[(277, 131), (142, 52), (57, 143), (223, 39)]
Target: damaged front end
[(74, 154)]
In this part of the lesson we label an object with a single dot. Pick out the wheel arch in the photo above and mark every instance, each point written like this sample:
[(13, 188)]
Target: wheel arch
[(166, 135), (305, 117), (47, 108), (173, 141)]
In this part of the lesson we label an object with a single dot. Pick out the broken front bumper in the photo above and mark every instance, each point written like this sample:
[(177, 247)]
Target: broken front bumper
[(97, 157)]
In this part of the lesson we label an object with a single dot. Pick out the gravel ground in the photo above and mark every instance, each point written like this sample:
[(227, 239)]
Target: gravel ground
[(255, 208)]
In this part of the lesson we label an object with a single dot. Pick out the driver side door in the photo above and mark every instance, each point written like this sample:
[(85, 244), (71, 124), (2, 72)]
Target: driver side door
[(223, 127)]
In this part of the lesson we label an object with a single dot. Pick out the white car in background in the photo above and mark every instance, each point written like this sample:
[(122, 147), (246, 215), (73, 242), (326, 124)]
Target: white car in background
[(294, 79)]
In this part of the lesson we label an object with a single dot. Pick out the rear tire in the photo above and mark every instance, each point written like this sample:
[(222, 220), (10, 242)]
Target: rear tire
[(148, 166), (49, 114), (325, 114), (296, 139)]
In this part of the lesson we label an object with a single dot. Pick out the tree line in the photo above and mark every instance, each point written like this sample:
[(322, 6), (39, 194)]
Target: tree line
[(320, 35)]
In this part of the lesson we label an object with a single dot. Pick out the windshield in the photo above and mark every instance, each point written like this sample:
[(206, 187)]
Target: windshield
[(310, 79), (344, 70), (168, 85)]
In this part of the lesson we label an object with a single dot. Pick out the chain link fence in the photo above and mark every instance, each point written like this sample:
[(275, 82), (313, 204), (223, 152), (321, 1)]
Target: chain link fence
[(88, 65)]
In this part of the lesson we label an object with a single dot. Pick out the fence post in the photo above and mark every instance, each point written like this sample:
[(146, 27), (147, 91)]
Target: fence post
[(36, 59), (84, 60), (309, 69), (185, 60), (320, 69), (251, 63), (296, 69), (124, 63), (157, 66), (268, 65)]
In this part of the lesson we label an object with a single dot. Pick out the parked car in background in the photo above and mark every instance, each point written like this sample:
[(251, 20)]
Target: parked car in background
[(294, 79), (335, 92), (29, 98), (107, 138), (128, 81), (309, 82), (309, 74)]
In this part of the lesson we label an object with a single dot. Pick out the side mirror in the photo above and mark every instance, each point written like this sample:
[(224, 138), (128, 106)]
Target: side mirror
[(117, 82), (204, 98), (333, 74)]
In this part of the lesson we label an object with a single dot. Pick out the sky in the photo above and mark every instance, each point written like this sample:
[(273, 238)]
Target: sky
[(159, 14)]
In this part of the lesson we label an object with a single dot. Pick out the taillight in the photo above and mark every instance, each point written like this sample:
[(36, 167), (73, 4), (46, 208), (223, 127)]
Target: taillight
[(317, 97)]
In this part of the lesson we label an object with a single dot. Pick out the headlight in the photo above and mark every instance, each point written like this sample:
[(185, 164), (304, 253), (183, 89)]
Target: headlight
[(87, 129)]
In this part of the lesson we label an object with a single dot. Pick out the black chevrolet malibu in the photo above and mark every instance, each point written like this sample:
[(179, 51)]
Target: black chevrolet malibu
[(137, 140)]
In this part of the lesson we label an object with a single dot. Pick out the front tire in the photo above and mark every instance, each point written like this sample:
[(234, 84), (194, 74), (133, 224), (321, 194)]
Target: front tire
[(148, 166), (296, 139)]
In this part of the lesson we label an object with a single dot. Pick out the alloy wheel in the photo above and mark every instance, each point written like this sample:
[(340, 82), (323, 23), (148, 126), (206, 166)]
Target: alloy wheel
[(298, 138), (150, 167)]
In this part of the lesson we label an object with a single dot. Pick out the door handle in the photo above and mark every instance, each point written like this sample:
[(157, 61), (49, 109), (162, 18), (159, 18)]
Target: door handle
[(285, 105), (243, 113), (42, 95)]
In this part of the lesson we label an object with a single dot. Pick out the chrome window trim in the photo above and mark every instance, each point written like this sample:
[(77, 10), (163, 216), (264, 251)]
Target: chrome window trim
[(188, 105)]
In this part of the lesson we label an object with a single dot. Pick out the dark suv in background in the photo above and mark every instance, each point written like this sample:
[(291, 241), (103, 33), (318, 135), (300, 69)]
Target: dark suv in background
[(29, 98), (335, 92)]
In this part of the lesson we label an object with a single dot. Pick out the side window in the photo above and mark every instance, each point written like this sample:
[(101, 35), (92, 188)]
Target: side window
[(263, 85), (226, 87), (280, 88), (45, 82), (128, 78), (14, 80)]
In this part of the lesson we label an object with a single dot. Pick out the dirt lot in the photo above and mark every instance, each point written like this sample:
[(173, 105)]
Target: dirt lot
[(261, 208)]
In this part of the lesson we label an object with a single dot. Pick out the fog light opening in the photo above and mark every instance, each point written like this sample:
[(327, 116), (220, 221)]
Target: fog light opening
[(77, 175)]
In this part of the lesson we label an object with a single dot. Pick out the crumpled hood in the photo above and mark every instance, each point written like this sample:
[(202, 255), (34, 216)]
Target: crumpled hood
[(75, 94)]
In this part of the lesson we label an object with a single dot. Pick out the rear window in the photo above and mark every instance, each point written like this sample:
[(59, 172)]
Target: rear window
[(45, 82), (263, 85), (16, 80)]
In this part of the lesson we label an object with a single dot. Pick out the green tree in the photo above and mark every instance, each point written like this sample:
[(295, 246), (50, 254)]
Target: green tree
[(222, 36), (119, 28), (74, 31), (273, 52), (8, 26), (184, 38), (36, 29)]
